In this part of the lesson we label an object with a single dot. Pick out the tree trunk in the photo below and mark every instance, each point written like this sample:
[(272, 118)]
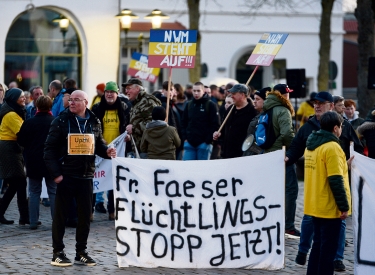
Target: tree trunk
[(325, 44), (193, 7), (365, 19)]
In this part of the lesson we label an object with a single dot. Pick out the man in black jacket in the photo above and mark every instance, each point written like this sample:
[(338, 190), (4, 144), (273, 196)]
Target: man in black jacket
[(235, 130), (323, 103), (74, 138), (200, 121)]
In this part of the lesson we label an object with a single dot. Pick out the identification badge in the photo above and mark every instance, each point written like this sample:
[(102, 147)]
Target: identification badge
[(81, 144)]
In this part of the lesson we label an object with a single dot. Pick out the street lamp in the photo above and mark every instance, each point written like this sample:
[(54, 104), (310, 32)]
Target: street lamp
[(156, 16), (126, 16), (63, 24)]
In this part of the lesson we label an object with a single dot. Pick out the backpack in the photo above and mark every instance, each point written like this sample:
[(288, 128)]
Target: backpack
[(264, 133)]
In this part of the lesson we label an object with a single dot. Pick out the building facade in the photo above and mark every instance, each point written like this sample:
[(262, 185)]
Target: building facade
[(94, 49)]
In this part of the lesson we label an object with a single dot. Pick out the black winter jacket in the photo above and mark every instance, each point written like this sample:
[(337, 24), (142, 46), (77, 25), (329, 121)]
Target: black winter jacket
[(235, 130), (298, 145), (123, 111), (56, 147), (32, 136), (199, 123), (174, 117)]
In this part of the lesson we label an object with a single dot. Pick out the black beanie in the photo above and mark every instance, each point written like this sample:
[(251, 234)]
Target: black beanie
[(158, 113), (263, 92)]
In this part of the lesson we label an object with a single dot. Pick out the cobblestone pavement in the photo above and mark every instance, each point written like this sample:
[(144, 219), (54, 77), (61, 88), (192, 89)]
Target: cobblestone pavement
[(25, 251)]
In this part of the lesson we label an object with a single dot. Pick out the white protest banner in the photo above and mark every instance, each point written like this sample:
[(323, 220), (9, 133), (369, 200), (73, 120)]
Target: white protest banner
[(44, 193), (200, 214), (363, 203), (103, 167)]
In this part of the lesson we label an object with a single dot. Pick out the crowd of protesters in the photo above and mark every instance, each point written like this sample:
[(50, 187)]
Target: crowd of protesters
[(199, 122)]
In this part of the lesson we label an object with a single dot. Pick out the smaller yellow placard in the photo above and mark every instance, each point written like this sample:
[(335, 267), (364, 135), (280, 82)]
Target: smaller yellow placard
[(81, 144)]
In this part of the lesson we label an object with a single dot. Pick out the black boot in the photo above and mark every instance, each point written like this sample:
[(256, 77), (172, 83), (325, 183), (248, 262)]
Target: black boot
[(5, 221)]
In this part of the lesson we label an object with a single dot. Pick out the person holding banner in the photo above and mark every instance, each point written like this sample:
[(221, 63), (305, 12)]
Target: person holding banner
[(113, 114), (323, 103), (74, 138), (140, 114), (282, 113), (199, 122), (327, 192), (235, 129)]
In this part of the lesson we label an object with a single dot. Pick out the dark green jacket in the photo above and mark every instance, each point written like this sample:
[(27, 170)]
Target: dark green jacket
[(281, 119)]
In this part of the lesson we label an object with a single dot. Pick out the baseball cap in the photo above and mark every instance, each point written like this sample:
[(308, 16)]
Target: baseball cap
[(323, 97), (132, 81), (282, 88), (239, 88)]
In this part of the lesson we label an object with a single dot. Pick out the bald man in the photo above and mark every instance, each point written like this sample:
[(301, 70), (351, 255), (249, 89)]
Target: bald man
[(74, 138)]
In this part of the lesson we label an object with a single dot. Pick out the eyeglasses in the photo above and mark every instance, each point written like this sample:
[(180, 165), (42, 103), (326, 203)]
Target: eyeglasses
[(75, 100), (320, 103)]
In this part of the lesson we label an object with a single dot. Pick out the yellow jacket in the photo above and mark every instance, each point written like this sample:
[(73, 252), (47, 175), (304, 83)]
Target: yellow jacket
[(10, 126)]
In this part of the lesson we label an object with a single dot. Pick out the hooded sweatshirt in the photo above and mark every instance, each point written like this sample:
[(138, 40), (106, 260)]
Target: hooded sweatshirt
[(327, 192), (160, 141), (281, 119)]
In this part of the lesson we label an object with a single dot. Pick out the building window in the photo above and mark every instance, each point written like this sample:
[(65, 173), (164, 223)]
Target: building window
[(36, 52)]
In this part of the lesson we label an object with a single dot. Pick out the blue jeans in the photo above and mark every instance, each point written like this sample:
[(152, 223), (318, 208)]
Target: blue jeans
[(291, 194), (201, 152), (341, 246), (307, 233), (326, 237), (35, 189)]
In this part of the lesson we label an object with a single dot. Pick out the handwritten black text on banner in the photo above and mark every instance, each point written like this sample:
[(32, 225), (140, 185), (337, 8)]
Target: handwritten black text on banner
[(363, 190), (201, 214)]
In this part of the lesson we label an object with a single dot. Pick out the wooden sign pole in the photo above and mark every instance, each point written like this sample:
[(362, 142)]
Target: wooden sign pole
[(230, 111), (225, 120), (252, 75), (168, 94)]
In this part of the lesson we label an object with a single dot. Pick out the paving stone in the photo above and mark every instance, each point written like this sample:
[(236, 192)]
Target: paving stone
[(20, 245)]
